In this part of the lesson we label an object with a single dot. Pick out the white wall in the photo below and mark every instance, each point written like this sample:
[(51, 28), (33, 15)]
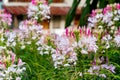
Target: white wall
[(69, 2), (5, 1)]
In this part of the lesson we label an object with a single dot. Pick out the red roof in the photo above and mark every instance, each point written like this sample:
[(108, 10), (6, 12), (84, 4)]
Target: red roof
[(17, 10)]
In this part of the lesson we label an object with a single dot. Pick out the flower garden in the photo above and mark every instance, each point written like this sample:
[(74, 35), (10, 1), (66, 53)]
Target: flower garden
[(90, 52)]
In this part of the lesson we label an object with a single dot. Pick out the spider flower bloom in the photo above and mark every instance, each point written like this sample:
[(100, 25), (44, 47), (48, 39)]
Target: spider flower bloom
[(118, 6), (93, 13), (34, 2), (38, 10), (87, 41), (107, 9), (9, 66), (64, 54), (5, 18), (95, 69), (30, 25), (106, 19), (117, 39)]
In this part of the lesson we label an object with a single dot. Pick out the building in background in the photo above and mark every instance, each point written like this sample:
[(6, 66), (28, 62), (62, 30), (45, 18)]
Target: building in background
[(58, 9)]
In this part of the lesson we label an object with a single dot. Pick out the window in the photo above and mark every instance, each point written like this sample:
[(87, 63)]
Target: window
[(57, 22)]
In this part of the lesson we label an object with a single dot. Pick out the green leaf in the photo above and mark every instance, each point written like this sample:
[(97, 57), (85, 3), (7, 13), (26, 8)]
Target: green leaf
[(50, 1), (85, 11), (71, 13), (111, 1), (102, 3)]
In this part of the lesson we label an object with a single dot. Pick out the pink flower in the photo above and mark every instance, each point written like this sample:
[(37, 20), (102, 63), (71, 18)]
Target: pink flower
[(87, 32), (5, 17), (34, 2), (44, 2), (118, 6), (81, 31), (104, 11), (13, 58), (67, 32), (108, 8), (20, 63), (4, 65), (93, 13)]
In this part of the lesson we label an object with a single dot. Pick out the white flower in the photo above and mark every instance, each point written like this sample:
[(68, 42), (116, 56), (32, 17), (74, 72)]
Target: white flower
[(2, 74), (80, 74), (2, 39), (100, 27), (19, 71), (34, 37), (102, 75), (88, 43), (117, 40), (1, 79), (39, 11), (119, 12), (29, 42), (2, 47), (66, 65), (13, 43), (116, 18), (107, 39), (115, 12), (109, 67), (110, 23), (18, 78), (62, 42), (74, 44), (84, 51), (23, 47)]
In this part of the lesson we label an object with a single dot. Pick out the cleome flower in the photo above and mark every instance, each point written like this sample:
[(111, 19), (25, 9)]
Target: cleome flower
[(106, 19), (30, 25), (117, 38), (38, 10), (64, 54), (96, 69), (5, 19), (87, 41), (10, 66)]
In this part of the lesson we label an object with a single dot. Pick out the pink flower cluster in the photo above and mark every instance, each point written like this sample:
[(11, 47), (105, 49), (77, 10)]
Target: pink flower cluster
[(10, 65), (106, 19), (87, 41), (64, 55), (109, 8), (30, 25), (5, 18), (66, 44), (38, 10)]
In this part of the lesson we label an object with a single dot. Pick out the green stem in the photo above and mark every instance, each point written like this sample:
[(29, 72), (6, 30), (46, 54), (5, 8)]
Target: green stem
[(80, 63)]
